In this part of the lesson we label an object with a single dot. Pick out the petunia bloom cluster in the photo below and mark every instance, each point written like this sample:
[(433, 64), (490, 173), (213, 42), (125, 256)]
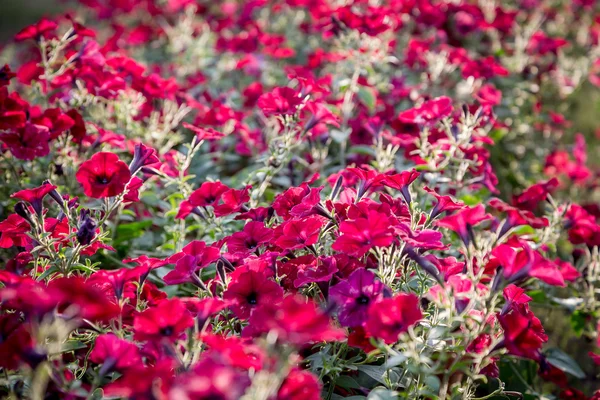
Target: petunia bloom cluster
[(300, 199)]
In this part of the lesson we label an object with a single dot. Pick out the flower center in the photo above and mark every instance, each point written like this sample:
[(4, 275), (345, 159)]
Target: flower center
[(167, 331), (252, 298), (362, 299), (102, 179)]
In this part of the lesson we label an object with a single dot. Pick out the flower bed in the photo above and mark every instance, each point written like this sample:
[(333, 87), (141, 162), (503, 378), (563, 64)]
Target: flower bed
[(299, 199)]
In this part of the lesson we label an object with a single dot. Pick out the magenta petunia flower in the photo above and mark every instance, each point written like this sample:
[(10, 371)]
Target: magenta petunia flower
[(354, 296)]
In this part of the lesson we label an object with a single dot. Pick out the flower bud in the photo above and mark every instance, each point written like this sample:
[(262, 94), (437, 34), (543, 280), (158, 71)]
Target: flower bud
[(55, 195), (87, 228), (22, 211), (142, 156)]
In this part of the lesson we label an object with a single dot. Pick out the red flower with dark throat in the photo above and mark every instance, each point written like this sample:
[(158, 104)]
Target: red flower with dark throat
[(249, 289), (167, 320), (103, 175), (388, 318), (29, 142)]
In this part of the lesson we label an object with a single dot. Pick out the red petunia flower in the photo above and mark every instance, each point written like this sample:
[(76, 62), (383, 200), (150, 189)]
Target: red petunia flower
[(168, 320), (463, 221), (443, 204), (210, 380), (535, 194), (29, 142), (582, 226), (208, 194), (516, 265), (388, 318), (79, 297), (142, 156), (114, 353), (319, 271), (523, 332), (429, 112), (300, 199), (567, 270), (254, 235), (296, 321), (517, 217), (232, 201), (249, 289), (235, 351), (6, 75), (36, 30), (143, 382), (103, 175), (13, 232), (17, 345), (193, 257), (362, 234), (204, 133), (35, 196), (297, 234), (281, 101), (402, 182), (299, 385), (203, 309)]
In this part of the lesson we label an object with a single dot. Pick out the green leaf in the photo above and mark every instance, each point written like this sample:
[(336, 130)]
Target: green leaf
[(83, 268), (367, 97), (347, 382), (340, 136), (395, 361), (131, 230), (72, 345), (538, 296), (470, 199), (524, 230), (382, 394), (338, 397), (48, 272), (98, 394), (564, 362), (375, 372), (433, 383), (365, 150), (578, 319)]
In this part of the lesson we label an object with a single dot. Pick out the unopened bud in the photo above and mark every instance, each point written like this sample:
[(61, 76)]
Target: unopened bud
[(87, 228)]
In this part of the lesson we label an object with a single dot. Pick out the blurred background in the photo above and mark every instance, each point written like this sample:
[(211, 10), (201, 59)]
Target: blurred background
[(582, 109), (16, 14)]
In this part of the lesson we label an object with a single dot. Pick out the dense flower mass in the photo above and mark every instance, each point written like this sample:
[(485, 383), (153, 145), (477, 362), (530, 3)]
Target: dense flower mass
[(298, 200)]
